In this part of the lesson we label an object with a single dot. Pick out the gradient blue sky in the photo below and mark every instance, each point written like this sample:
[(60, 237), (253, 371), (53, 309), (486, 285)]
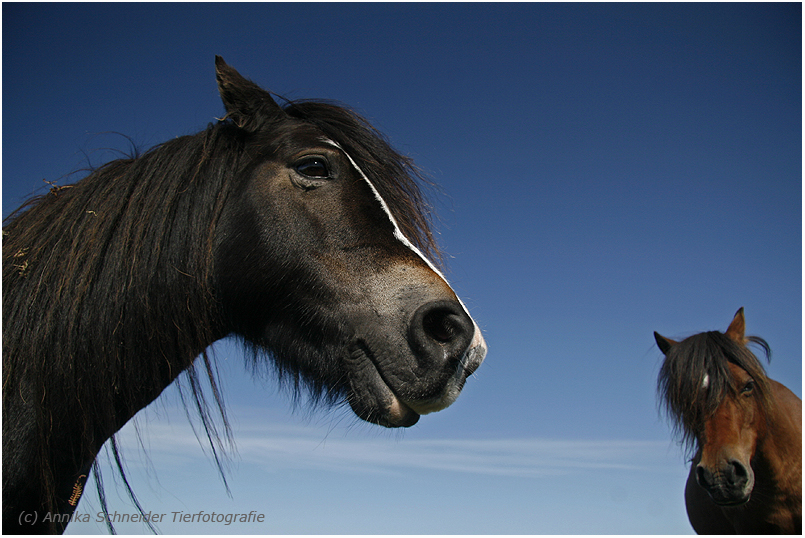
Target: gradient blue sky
[(605, 171)]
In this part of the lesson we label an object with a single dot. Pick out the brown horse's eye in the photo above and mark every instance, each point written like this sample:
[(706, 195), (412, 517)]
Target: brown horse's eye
[(748, 388), (314, 168)]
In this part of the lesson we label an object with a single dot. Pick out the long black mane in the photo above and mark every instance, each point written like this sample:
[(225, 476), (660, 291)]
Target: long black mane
[(81, 263), (679, 383)]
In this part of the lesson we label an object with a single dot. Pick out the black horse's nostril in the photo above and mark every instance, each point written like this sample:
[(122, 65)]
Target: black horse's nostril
[(441, 325), (441, 331)]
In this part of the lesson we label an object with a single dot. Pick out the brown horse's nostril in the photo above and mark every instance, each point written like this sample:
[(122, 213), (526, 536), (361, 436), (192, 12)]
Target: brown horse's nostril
[(703, 477), (441, 331), (736, 473)]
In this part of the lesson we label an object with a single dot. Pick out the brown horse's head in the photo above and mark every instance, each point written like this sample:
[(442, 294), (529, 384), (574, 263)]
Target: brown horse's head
[(717, 394)]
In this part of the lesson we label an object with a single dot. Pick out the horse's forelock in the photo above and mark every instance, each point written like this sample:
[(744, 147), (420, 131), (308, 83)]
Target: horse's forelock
[(695, 378)]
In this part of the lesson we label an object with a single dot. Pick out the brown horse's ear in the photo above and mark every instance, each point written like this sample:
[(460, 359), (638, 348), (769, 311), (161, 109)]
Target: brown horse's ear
[(248, 105), (737, 328), (663, 343)]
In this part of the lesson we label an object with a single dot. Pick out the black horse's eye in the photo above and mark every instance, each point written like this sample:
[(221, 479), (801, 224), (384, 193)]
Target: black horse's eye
[(314, 168)]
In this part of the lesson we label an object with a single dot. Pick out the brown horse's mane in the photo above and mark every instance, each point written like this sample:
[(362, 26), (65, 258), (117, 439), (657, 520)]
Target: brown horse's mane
[(680, 380)]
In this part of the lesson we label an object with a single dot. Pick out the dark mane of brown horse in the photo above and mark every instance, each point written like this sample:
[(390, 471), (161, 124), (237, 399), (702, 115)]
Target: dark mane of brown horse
[(684, 369)]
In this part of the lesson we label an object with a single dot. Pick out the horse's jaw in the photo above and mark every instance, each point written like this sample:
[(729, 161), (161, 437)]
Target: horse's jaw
[(377, 394)]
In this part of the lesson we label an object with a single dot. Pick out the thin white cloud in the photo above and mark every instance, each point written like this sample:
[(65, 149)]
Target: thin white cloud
[(275, 446)]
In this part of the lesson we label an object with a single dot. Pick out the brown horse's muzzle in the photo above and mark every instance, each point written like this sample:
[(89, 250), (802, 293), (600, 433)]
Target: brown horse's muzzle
[(729, 484)]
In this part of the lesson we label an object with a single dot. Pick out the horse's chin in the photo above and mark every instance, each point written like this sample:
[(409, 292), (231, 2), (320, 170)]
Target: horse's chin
[(731, 502), (730, 499), (370, 396), (392, 413), (399, 415)]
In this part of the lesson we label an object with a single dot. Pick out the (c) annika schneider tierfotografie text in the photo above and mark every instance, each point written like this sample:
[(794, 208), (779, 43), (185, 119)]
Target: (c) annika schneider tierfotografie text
[(152, 517)]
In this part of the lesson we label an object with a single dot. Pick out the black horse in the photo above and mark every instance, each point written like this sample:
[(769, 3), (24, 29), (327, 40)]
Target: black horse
[(296, 228)]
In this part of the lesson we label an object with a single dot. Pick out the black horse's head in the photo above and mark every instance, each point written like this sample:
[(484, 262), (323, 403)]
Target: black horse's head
[(322, 258), (297, 228)]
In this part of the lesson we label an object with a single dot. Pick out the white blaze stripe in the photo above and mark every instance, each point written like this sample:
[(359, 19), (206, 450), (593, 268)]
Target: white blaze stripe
[(397, 232), (706, 381), (477, 350)]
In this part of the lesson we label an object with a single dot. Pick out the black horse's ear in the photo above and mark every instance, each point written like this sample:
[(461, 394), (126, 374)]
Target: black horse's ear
[(248, 105), (663, 343)]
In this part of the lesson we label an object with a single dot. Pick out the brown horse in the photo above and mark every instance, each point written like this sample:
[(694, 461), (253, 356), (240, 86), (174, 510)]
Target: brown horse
[(744, 428)]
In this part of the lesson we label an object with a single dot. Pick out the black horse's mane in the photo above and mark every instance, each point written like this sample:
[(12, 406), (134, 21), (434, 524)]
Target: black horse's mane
[(82, 263), (680, 380)]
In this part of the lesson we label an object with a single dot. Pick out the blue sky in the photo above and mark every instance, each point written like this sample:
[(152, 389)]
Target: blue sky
[(604, 171)]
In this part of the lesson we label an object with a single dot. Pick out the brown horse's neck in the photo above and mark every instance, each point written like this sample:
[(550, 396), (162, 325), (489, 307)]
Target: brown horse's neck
[(781, 453)]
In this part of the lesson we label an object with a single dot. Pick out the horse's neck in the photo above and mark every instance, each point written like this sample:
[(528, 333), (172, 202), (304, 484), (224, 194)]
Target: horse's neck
[(782, 448), (785, 423)]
